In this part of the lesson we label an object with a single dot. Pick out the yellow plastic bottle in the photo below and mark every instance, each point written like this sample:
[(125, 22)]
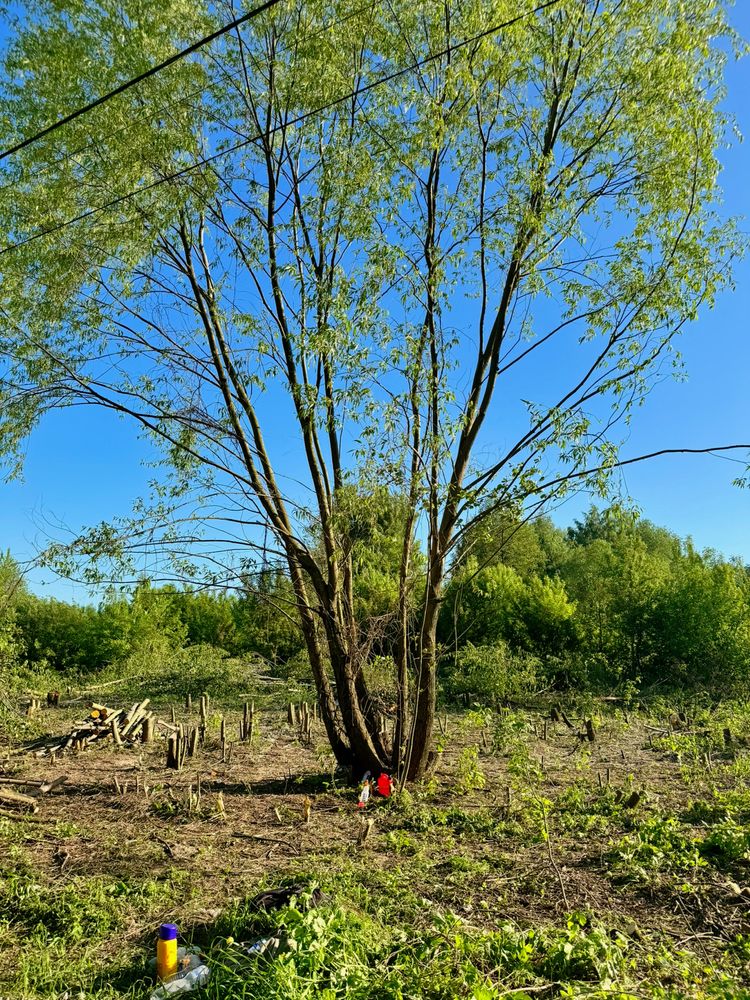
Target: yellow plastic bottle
[(166, 951)]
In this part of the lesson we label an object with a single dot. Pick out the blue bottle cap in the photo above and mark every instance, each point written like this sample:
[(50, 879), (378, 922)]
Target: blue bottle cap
[(168, 932)]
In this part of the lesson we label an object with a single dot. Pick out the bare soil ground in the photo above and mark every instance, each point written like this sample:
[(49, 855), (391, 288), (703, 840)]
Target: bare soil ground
[(524, 821)]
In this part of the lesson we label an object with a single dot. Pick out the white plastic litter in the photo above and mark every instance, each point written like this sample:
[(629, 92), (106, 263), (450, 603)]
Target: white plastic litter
[(183, 984), (193, 974), (263, 946), (364, 795)]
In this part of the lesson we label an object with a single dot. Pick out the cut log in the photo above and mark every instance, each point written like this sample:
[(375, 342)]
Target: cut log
[(48, 786), (135, 717), (42, 786), (18, 799)]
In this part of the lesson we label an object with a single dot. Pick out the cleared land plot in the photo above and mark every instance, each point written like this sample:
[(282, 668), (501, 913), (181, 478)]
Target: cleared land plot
[(533, 862)]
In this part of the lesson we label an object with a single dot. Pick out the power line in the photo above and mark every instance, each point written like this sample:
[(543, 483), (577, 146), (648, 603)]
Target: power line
[(204, 161), (138, 79), (163, 110)]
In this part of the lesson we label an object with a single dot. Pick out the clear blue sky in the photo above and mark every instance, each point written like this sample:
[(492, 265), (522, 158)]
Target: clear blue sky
[(84, 466)]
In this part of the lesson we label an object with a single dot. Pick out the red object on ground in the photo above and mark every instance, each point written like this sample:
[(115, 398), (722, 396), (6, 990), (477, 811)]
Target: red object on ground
[(385, 785)]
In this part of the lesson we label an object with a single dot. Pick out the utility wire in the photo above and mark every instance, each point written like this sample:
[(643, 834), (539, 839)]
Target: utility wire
[(165, 109), (204, 161), (138, 79)]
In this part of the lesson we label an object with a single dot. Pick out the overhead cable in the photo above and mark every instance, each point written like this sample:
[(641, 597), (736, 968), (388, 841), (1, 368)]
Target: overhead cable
[(97, 102), (299, 119)]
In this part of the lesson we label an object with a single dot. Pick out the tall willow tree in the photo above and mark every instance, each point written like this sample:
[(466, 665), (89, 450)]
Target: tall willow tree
[(344, 250)]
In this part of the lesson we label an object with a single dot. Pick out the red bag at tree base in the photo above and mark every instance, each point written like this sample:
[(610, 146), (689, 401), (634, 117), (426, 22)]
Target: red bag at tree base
[(385, 785)]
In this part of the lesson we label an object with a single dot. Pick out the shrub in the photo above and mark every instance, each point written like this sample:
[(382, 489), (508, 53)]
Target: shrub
[(490, 674)]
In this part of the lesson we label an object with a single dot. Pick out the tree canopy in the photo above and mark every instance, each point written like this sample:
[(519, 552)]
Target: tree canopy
[(370, 226)]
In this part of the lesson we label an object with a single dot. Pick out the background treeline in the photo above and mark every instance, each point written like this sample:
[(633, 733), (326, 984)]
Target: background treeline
[(52, 634), (611, 604)]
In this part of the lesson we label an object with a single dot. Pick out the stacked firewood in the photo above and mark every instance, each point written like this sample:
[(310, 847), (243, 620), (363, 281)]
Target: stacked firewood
[(102, 724)]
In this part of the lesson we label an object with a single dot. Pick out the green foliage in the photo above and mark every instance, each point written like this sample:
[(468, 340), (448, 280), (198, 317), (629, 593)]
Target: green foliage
[(266, 621), (508, 731), (584, 952), (582, 811), (469, 774), (79, 910), (727, 843), (12, 589), (482, 605), (490, 674), (151, 623), (622, 605), (658, 846), (333, 952), (531, 548)]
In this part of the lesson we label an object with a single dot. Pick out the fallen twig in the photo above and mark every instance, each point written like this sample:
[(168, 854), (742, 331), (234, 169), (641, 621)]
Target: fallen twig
[(551, 858), (266, 840)]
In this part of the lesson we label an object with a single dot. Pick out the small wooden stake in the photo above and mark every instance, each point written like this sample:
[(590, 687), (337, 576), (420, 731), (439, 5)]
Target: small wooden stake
[(365, 829)]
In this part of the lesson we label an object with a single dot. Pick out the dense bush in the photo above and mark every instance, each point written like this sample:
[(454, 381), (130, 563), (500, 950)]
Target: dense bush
[(491, 673), (612, 603)]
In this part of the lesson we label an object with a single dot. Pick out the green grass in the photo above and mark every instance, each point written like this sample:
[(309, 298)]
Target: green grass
[(336, 952), (56, 934)]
